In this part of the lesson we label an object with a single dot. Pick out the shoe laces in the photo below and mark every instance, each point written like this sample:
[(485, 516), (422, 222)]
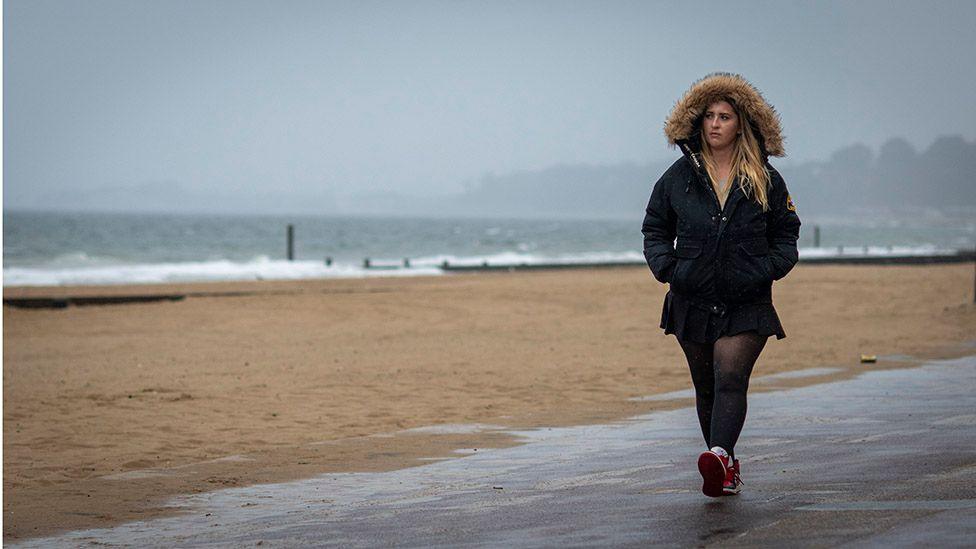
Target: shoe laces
[(736, 478), (733, 468)]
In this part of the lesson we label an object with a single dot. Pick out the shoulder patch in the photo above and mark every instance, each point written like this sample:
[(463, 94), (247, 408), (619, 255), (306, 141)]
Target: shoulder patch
[(789, 204)]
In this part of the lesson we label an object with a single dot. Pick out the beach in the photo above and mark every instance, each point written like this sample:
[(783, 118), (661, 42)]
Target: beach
[(110, 410)]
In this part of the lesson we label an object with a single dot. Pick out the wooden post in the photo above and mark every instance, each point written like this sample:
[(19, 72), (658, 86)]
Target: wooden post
[(816, 236), (291, 242)]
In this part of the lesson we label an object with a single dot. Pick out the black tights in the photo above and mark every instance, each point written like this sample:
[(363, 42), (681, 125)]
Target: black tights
[(720, 372)]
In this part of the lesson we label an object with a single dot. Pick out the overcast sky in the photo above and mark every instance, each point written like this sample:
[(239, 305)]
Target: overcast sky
[(252, 97)]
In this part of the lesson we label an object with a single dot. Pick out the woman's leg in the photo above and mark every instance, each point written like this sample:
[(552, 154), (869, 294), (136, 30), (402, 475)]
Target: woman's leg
[(699, 357), (734, 357)]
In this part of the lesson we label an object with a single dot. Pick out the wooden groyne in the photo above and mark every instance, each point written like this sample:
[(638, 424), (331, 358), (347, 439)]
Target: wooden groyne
[(851, 259), (447, 267), (958, 257), (62, 302)]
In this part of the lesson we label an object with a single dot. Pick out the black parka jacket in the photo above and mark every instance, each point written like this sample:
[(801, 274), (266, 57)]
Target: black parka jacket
[(724, 256)]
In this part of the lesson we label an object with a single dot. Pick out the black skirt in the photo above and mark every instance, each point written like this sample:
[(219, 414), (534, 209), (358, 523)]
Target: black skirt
[(692, 320)]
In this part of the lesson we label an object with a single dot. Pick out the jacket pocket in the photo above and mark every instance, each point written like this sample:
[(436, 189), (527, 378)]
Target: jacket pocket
[(750, 271), (686, 251), (758, 250), (756, 246)]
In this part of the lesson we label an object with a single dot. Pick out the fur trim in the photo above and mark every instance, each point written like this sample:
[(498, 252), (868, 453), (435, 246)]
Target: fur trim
[(721, 85)]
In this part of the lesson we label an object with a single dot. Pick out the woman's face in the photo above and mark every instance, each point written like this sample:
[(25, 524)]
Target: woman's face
[(720, 126)]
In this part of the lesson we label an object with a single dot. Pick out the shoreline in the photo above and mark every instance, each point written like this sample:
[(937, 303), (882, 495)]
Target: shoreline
[(305, 270), (519, 350)]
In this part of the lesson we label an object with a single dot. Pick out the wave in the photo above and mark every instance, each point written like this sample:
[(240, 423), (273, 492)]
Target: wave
[(80, 270), (204, 271), (263, 268), (516, 258)]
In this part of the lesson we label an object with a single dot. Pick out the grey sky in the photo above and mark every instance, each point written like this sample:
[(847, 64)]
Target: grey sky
[(340, 98)]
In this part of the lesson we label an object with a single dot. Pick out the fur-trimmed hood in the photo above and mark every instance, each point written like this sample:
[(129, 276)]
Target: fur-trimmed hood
[(684, 120)]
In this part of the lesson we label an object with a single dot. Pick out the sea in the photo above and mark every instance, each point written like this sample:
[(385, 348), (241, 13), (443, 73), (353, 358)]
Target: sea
[(73, 248)]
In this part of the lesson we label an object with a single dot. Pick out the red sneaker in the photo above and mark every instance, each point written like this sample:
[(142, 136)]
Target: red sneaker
[(714, 468), (733, 484)]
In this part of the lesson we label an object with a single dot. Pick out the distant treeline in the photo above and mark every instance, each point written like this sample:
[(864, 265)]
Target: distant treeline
[(897, 177)]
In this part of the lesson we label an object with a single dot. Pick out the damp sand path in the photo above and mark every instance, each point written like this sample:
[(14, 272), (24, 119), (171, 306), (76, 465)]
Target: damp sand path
[(881, 459), (110, 411)]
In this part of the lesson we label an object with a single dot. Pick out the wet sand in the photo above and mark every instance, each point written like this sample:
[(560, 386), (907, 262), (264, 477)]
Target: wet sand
[(109, 410)]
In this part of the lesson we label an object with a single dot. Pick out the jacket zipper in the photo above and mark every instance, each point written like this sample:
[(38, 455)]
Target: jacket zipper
[(704, 179), (721, 208), (707, 181)]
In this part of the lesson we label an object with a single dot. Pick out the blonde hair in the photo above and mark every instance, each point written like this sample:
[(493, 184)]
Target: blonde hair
[(748, 165)]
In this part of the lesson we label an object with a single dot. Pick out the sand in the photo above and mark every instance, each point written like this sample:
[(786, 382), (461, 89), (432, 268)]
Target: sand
[(111, 410)]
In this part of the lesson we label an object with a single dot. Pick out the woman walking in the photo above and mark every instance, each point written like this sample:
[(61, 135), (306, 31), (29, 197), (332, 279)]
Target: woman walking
[(736, 230)]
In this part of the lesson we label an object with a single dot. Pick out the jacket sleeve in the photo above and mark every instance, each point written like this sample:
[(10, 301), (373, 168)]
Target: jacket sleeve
[(782, 228), (659, 230)]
